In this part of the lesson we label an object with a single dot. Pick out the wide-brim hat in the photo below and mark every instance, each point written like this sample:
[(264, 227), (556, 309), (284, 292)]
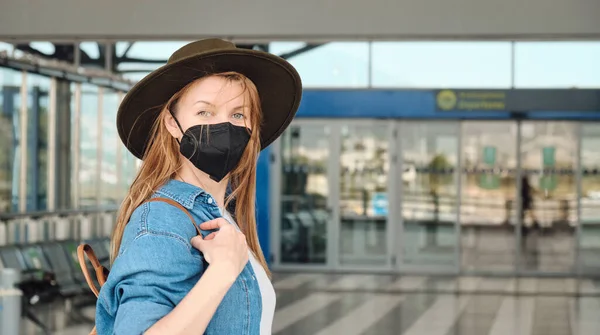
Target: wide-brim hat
[(278, 84)]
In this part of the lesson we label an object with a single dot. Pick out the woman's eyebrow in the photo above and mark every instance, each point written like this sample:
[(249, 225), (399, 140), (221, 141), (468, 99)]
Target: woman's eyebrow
[(204, 102), (240, 108)]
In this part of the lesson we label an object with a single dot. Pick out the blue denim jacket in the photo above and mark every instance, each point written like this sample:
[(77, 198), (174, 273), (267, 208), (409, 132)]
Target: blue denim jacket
[(157, 267)]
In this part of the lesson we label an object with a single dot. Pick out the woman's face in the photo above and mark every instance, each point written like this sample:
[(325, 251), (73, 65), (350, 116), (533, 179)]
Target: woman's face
[(211, 100)]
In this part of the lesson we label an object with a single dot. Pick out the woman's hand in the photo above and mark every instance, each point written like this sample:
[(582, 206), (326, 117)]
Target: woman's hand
[(226, 248)]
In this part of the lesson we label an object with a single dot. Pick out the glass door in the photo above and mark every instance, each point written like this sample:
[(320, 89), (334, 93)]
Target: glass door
[(428, 200), (304, 195), (548, 196), (488, 211), (364, 165), (589, 217)]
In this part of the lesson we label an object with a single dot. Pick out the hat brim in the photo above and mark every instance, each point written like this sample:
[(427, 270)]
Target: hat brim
[(278, 84)]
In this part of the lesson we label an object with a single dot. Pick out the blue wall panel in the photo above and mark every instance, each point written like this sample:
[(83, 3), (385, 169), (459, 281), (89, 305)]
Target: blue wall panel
[(392, 104), (262, 202)]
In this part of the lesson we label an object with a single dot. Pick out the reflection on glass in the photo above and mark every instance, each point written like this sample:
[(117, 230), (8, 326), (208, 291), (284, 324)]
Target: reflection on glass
[(37, 141), (589, 247), (110, 195), (548, 195), (88, 179), (429, 160), (488, 191), (10, 104), (304, 195), (364, 168)]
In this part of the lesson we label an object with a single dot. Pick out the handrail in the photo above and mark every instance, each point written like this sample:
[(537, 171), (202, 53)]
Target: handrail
[(59, 213)]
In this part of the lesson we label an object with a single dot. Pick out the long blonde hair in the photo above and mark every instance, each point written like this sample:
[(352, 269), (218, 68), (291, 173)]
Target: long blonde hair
[(162, 162)]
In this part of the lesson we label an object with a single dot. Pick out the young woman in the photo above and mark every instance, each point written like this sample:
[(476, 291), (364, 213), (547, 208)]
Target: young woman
[(198, 124)]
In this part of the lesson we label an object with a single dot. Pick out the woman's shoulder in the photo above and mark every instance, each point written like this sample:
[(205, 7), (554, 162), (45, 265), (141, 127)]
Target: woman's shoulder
[(162, 219)]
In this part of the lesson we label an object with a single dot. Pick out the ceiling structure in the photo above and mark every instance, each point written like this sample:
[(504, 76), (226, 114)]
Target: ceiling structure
[(308, 20)]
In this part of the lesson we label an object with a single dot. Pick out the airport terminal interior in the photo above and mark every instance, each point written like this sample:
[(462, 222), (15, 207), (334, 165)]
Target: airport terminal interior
[(425, 187)]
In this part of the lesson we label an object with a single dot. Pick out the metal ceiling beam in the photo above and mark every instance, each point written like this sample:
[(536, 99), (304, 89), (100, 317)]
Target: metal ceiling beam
[(66, 52), (300, 51)]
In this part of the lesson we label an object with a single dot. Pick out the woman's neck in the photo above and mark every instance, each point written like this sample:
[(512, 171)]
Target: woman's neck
[(191, 175)]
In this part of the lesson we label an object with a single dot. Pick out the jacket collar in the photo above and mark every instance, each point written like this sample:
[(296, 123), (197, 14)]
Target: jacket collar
[(182, 192)]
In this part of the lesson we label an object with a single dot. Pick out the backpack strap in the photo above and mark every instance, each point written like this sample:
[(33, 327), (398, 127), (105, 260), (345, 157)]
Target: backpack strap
[(102, 272)]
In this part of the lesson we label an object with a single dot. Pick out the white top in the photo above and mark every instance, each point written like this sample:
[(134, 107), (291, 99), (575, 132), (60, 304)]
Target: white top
[(267, 291)]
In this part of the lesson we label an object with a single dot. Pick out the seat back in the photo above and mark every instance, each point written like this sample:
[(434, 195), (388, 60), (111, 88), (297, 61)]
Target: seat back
[(70, 250), (12, 258), (57, 258), (35, 259), (60, 263)]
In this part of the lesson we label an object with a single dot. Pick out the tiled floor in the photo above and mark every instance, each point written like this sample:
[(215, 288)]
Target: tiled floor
[(378, 304)]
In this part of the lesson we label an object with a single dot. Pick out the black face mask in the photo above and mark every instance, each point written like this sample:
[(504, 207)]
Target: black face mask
[(215, 149)]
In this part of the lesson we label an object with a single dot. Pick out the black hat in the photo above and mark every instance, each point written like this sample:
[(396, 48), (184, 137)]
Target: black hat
[(278, 84)]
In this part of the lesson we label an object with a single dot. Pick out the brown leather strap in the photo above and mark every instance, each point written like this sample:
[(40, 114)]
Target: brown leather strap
[(101, 272)]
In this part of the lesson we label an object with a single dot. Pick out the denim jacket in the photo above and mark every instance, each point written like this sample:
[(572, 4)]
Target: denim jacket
[(157, 267)]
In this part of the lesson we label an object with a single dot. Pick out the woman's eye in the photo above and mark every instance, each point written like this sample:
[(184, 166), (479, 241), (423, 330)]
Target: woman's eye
[(203, 113), (238, 116)]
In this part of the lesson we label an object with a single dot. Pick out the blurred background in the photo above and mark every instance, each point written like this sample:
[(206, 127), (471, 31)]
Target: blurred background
[(440, 147)]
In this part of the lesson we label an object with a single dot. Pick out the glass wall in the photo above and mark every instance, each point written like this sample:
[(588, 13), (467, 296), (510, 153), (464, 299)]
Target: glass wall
[(305, 197), (589, 201), (557, 64), (109, 176), (101, 168), (88, 147), (446, 64), (441, 64), (548, 195), (364, 168), (477, 197), (429, 152), (10, 105), (38, 88), (337, 64), (488, 215), (74, 148)]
